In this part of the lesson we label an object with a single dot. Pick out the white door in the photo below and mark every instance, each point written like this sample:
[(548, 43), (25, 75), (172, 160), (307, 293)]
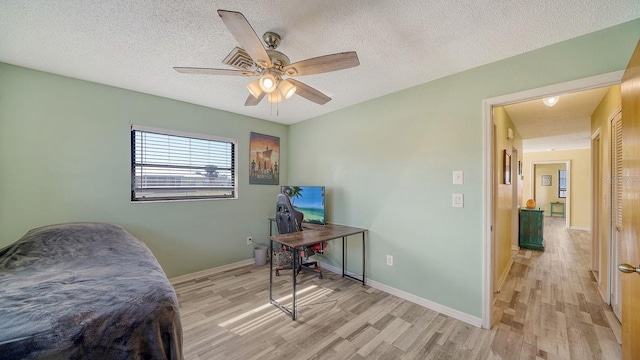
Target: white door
[(616, 213)]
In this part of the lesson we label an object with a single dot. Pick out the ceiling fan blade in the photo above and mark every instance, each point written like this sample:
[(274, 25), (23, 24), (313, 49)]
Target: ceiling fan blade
[(246, 36), (210, 71), (253, 101), (323, 64), (309, 93)]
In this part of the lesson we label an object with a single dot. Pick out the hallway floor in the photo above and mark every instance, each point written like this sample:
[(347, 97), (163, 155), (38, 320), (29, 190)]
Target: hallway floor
[(549, 306)]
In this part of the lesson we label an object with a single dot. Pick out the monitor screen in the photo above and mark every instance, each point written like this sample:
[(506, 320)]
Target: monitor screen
[(309, 200)]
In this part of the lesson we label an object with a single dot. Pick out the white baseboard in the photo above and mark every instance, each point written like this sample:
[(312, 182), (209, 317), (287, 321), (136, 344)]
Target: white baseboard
[(515, 247), (504, 274), (456, 314), (603, 294), (580, 228), (207, 272)]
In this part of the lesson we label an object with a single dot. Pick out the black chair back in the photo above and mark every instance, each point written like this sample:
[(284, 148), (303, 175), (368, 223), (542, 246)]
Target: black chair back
[(288, 218)]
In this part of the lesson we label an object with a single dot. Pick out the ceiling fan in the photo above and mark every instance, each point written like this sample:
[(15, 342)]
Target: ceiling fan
[(271, 65)]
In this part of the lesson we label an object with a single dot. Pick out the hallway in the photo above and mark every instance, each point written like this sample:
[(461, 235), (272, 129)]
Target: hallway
[(549, 305)]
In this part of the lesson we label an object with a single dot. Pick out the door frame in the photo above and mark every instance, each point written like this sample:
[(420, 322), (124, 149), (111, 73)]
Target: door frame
[(488, 138), (515, 201), (596, 200), (532, 183), (613, 246)]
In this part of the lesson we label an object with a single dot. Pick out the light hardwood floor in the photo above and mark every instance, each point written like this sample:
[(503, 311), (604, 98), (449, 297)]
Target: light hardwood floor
[(548, 308)]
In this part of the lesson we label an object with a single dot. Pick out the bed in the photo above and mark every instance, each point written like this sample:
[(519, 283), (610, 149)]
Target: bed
[(85, 291)]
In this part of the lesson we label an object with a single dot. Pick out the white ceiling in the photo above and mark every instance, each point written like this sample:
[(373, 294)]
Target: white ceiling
[(134, 44), (566, 125)]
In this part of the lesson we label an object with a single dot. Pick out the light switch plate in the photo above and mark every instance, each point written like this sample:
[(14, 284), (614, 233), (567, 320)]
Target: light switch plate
[(458, 177), (458, 200)]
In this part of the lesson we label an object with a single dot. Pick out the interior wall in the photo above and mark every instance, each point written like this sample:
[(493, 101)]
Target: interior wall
[(65, 156), (544, 195), (504, 200), (579, 182), (387, 164), (600, 120)]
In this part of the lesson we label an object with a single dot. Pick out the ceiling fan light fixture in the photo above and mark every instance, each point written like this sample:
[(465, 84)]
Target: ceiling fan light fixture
[(268, 83), (286, 88), (254, 88), (250, 58), (550, 101), (274, 97)]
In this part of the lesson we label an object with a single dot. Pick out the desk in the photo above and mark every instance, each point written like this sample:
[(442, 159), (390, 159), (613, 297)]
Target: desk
[(312, 234), (556, 204)]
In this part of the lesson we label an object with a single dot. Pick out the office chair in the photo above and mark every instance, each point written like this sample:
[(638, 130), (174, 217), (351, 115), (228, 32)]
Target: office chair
[(289, 220)]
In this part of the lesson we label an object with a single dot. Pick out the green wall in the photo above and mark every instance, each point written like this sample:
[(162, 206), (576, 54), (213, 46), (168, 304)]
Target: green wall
[(387, 164), (65, 156)]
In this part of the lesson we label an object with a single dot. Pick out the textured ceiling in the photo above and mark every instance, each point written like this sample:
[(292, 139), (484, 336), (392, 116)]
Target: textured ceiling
[(134, 44), (566, 125)]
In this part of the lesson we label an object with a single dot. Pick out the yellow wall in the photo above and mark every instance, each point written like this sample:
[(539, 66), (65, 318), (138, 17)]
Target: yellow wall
[(600, 121), (579, 182), (544, 195), (505, 212)]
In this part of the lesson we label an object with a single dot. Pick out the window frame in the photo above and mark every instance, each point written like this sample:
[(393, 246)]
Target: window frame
[(178, 133), (561, 189)]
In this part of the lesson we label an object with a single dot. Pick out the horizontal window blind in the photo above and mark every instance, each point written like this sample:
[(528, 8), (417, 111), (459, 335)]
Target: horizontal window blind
[(562, 183), (165, 166)]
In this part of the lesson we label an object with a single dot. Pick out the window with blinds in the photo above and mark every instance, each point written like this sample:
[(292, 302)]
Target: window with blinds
[(562, 184), (170, 165)]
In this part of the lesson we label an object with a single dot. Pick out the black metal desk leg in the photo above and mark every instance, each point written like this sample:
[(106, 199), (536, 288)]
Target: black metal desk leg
[(363, 260), (344, 250), (293, 276), (270, 271)]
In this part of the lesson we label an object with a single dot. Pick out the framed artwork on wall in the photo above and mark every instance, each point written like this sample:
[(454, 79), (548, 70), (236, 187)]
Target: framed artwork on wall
[(506, 167), (546, 180), (264, 159)]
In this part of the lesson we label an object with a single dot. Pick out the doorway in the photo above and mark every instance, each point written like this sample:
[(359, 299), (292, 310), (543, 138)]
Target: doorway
[(490, 164), (546, 193)]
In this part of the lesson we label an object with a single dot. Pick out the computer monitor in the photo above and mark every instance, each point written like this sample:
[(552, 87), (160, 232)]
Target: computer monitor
[(309, 200)]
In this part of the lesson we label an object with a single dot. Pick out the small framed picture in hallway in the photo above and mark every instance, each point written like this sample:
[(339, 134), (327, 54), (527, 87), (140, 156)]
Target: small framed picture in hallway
[(546, 180)]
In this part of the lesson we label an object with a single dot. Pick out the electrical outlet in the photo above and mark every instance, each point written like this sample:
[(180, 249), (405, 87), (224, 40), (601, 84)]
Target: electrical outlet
[(389, 260), (249, 240)]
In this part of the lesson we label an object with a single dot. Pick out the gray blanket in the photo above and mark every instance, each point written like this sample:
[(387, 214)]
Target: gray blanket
[(85, 291)]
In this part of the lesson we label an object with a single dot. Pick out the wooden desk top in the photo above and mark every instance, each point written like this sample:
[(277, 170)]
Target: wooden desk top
[(314, 234)]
